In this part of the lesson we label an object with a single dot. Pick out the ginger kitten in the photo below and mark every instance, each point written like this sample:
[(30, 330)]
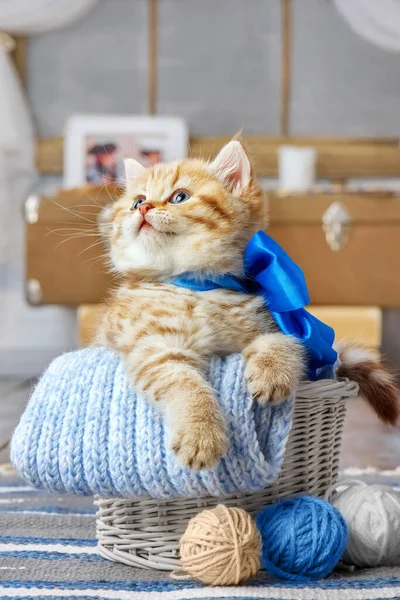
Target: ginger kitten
[(195, 216)]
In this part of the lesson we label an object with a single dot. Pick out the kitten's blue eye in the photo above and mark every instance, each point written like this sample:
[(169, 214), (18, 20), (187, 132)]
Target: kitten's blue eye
[(179, 197), (137, 203)]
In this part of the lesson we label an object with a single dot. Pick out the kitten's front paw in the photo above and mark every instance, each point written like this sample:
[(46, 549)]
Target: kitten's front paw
[(199, 445), (269, 381)]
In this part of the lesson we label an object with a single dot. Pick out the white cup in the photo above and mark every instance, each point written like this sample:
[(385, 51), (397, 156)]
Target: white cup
[(296, 168)]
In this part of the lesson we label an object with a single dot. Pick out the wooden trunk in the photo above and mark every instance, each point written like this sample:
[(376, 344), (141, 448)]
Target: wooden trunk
[(365, 271), (64, 268), (64, 253)]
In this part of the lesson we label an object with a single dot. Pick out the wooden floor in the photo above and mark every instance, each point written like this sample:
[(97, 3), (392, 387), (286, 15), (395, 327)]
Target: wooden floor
[(366, 442)]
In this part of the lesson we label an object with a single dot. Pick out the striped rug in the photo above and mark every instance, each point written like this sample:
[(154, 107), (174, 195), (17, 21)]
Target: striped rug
[(48, 550)]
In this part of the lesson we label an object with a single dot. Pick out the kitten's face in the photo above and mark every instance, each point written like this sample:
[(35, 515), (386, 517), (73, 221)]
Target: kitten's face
[(188, 215)]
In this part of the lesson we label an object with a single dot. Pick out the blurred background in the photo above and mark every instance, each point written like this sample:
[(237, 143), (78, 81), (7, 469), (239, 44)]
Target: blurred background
[(314, 85)]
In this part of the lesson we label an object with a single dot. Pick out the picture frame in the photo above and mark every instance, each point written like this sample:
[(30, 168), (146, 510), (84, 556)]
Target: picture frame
[(96, 145)]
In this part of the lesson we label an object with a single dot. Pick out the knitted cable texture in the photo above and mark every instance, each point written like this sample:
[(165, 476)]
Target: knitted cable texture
[(86, 431)]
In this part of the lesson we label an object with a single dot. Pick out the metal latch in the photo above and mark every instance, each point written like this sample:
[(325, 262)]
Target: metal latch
[(32, 204), (33, 292), (336, 223)]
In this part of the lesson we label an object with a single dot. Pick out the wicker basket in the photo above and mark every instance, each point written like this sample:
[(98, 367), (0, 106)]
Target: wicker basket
[(146, 532)]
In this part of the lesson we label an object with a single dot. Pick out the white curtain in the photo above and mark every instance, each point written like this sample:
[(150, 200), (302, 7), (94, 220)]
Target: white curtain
[(21, 328), (378, 21)]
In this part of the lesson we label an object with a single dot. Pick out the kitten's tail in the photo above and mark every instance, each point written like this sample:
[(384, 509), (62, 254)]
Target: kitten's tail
[(377, 383)]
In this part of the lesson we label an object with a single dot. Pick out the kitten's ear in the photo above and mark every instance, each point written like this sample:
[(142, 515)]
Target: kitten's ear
[(133, 169), (232, 167)]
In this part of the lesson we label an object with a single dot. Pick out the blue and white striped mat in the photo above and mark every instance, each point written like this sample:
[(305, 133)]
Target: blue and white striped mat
[(48, 550)]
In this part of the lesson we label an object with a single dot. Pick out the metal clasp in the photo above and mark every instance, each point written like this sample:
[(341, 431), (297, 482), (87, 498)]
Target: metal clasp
[(32, 204), (33, 292), (336, 223)]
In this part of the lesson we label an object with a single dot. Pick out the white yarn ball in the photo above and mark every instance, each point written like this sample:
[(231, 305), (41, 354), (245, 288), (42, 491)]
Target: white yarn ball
[(372, 513)]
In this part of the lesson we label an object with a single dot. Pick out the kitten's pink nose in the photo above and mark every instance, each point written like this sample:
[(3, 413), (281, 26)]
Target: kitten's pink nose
[(144, 208)]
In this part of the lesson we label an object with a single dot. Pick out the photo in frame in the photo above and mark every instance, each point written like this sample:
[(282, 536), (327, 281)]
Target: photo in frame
[(95, 146)]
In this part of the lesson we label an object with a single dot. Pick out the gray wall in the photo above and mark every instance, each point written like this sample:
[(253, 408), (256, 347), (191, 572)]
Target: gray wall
[(342, 84), (219, 64), (98, 64), (218, 67)]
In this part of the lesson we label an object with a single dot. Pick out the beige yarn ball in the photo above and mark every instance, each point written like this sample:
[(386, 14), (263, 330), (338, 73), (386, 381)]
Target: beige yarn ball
[(221, 546)]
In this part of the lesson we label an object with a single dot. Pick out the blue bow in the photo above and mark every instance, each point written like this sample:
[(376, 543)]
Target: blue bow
[(271, 273)]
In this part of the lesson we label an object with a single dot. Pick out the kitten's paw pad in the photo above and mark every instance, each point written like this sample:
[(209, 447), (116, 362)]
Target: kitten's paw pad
[(268, 382), (200, 446)]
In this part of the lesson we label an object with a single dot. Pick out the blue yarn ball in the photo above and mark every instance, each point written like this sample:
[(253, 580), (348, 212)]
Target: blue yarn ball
[(302, 538)]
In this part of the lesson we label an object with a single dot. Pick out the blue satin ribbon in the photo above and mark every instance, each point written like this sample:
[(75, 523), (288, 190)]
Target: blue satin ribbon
[(271, 273)]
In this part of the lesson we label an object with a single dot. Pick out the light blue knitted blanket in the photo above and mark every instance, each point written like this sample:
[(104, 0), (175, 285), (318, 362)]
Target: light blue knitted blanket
[(86, 431)]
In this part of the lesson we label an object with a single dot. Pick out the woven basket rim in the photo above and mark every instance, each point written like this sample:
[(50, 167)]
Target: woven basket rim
[(327, 388)]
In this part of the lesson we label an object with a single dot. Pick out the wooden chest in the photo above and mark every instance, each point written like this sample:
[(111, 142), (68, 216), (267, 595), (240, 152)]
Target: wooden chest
[(347, 243)]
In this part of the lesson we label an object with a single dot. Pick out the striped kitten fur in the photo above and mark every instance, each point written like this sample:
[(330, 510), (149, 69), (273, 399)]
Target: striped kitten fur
[(197, 216)]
